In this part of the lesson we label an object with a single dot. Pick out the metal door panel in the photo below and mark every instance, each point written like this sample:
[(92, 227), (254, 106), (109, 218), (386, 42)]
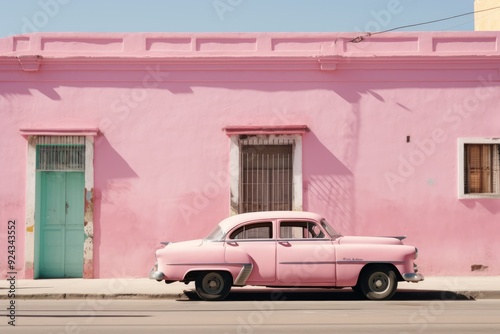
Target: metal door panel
[(305, 261), (61, 233), (73, 259), (54, 185), (74, 238), (74, 199), (52, 259)]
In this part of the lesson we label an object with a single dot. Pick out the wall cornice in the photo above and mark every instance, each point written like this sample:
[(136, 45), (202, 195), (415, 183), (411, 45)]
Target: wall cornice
[(251, 47), (234, 56)]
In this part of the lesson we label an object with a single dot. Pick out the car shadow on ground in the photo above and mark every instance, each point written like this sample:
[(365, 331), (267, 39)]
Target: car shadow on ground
[(272, 294)]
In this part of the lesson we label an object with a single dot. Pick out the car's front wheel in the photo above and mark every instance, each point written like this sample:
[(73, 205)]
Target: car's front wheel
[(214, 285), (379, 283), (357, 289)]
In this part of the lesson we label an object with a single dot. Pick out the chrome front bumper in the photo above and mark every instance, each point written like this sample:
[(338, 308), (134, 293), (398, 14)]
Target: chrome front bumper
[(413, 277)]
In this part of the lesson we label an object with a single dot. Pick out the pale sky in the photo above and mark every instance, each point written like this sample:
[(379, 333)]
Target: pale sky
[(26, 16)]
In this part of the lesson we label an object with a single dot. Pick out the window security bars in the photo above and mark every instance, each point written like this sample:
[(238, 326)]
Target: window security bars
[(60, 153), (266, 174)]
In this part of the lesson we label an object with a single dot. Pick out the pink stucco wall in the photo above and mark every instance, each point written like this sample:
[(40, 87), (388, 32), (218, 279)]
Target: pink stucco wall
[(161, 102)]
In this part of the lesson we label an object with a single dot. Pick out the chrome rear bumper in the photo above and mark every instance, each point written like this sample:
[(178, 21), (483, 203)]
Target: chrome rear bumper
[(413, 277), (155, 274)]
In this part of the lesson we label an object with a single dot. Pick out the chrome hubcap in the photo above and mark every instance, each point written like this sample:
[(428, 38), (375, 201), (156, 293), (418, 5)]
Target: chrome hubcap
[(379, 282), (213, 283)]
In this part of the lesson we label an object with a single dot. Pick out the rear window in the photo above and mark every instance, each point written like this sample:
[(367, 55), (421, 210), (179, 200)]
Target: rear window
[(253, 231)]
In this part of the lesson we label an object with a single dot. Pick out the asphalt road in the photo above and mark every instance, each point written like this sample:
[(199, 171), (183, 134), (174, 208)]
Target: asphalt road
[(254, 312)]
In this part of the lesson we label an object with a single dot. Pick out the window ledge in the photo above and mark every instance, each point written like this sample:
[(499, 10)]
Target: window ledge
[(265, 129), (479, 196), (59, 132)]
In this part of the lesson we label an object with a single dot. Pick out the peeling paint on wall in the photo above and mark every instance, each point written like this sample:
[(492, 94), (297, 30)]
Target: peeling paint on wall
[(88, 246), (88, 269), (89, 206)]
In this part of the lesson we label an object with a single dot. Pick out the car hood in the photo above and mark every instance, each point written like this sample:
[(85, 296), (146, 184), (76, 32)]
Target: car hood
[(183, 244), (370, 240)]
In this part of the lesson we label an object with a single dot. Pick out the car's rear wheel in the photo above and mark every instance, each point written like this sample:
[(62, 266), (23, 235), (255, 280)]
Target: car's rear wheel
[(213, 285), (378, 283)]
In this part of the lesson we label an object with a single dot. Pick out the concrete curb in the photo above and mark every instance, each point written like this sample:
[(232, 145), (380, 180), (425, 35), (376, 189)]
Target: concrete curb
[(455, 295), (56, 296)]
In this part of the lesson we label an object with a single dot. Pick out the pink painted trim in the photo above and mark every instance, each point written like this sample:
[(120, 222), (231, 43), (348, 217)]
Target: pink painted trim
[(408, 46), (30, 63), (265, 129), (59, 132)]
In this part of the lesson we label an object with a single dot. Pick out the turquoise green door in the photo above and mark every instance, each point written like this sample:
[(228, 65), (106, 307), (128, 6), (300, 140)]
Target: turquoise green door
[(61, 199)]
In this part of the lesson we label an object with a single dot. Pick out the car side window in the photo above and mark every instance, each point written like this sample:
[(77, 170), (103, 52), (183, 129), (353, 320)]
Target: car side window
[(253, 231), (300, 230)]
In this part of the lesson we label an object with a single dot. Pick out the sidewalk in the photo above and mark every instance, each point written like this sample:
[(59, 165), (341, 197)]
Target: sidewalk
[(477, 287)]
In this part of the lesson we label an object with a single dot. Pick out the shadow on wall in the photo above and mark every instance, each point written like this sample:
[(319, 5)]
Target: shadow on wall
[(10, 91), (110, 167), (163, 78), (492, 205), (328, 185)]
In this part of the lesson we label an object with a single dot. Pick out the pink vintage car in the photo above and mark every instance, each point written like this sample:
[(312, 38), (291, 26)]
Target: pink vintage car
[(286, 249)]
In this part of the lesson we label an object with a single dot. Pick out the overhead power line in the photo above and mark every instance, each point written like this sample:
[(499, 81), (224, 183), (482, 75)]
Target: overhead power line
[(362, 37)]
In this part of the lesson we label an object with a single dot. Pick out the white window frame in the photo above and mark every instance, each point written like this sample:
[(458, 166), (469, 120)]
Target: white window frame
[(461, 167), (297, 170)]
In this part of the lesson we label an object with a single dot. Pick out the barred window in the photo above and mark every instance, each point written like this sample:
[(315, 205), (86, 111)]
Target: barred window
[(266, 175), (481, 168), (266, 172)]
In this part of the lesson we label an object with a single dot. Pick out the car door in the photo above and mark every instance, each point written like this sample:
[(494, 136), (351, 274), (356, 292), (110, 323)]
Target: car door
[(304, 253), (257, 239)]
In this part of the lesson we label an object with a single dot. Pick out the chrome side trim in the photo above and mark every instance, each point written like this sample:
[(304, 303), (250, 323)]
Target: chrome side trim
[(245, 272), (310, 262), (399, 237), (271, 240), (413, 277), (206, 264), (366, 262), (305, 240), (233, 241)]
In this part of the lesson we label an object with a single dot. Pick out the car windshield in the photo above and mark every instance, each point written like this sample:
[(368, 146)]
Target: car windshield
[(216, 234), (331, 231)]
